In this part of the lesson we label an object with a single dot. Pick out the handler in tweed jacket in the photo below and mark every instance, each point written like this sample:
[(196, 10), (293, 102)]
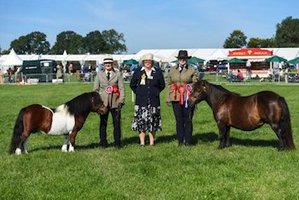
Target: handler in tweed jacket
[(179, 80), (109, 84)]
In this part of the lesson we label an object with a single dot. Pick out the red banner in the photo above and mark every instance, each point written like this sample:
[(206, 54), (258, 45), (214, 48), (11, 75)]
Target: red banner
[(250, 52)]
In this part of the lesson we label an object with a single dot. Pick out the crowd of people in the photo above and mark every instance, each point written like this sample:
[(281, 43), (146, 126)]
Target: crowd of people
[(147, 83), (9, 73)]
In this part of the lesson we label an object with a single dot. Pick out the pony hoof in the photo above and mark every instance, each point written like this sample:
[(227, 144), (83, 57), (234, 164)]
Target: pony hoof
[(18, 152), (64, 148), (71, 149), (281, 149), (221, 147)]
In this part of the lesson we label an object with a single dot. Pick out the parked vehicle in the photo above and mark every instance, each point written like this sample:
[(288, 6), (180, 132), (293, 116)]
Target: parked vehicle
[(43, 70)]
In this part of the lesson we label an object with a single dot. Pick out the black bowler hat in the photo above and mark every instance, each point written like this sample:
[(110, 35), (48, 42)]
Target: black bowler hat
[(183, 54)]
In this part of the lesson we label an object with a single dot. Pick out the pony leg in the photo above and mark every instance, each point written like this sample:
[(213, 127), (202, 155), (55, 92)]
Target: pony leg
[(281, 140), (25, 146), (65, 143), (227, 138), (71, 148), (21, 145), (72, 141), (223, 134)]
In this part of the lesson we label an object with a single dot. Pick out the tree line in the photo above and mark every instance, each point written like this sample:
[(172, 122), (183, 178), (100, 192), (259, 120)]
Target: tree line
[(287, 35), (95, 42), (110, 41)]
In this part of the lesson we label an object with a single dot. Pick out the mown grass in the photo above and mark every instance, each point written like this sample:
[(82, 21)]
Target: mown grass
[(251, 169)]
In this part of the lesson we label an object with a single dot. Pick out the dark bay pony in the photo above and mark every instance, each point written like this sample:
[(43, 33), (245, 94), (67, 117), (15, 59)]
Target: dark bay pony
[(245, 112), (67, 119)]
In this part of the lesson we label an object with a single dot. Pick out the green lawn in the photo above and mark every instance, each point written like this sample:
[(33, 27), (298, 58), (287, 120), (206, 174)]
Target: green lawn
[(251, 169)]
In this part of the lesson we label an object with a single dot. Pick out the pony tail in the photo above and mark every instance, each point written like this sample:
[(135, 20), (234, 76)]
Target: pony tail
[(285, 124), (17, 132)]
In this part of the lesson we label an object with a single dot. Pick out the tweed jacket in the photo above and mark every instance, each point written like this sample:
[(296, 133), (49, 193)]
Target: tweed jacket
[(188, 75), (104, 86), (147, 89)]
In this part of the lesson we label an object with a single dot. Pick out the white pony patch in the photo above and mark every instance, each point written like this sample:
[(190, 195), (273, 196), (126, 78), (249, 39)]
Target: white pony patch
[(62, 121)]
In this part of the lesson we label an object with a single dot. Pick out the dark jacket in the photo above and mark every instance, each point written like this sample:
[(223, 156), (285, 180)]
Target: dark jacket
[(147, 89)]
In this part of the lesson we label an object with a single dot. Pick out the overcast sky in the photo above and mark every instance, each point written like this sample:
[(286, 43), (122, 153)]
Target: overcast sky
[(151, 24)]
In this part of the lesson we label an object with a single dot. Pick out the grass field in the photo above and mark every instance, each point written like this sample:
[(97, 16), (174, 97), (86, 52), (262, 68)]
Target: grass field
[(251, 169)]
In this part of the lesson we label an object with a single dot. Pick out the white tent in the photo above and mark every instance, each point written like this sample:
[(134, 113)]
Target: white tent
[(11, 60), (218, 54), (164, 55)]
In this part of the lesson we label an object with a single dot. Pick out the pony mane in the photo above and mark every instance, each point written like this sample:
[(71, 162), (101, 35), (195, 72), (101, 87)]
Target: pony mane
[(80, 104), (221, 89)]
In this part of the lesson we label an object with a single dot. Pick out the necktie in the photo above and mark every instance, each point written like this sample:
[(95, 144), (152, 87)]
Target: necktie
[(108, 75), (181, 68)]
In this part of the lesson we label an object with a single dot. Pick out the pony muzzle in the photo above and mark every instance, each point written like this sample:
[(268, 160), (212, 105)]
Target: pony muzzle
[(102, 110), (191, 102)]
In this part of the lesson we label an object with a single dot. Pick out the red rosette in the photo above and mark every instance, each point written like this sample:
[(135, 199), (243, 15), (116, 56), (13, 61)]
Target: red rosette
[(174, 90), (182, 91), (115, 89), (109, 89)]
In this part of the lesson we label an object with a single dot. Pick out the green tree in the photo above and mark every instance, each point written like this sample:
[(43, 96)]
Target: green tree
[(237, 39), (34, 42), (21, 45), (115, 41), (5, 51), (261, 43), (94, 43), (69, 41), (287, 33)]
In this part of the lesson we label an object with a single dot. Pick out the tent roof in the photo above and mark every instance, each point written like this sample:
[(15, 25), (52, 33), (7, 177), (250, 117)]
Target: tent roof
[(164, 55), (12, 59), (218, 54), (287, 53)]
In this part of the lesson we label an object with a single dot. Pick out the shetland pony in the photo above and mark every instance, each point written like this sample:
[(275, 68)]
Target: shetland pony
[(67, 119), (245, 112)]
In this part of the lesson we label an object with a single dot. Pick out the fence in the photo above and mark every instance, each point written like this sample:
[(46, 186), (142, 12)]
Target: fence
[(49, 78), (220, 77)]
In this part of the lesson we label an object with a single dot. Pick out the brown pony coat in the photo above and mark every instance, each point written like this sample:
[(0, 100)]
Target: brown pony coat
[(245, 112)]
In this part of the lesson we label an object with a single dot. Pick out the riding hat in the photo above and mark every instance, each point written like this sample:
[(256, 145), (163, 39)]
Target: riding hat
[(183, 54), (108, 59)]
